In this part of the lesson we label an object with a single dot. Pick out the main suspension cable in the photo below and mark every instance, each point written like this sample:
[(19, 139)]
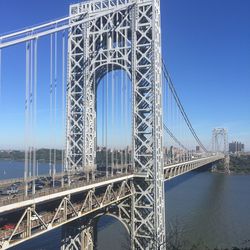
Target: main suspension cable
[(174, 137), (180, 106)]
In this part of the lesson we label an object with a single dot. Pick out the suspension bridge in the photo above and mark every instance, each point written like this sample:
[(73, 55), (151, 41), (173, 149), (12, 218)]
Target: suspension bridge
[(123, 127)]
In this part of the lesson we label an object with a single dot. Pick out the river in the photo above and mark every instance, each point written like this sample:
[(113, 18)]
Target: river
[(205, 208)]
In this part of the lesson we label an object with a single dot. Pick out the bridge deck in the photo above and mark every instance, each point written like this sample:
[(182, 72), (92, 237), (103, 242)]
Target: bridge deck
[(75, 201), (9, 203), (177, 169)]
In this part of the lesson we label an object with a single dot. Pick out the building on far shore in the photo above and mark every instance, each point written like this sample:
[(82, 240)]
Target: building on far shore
[(236, 147)]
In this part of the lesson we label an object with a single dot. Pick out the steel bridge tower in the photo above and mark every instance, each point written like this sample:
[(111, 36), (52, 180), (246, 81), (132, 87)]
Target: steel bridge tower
[(221, 133), (128, 39)]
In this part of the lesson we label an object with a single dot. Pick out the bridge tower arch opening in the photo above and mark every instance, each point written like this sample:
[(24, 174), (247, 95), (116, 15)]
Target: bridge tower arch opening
[(129, 35), (113, 120)]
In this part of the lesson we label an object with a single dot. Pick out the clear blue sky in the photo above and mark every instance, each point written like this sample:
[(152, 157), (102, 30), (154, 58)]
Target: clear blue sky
[(206, 44)]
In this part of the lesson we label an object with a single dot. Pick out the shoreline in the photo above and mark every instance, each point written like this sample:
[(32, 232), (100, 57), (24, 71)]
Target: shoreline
[(22, 160), (231, 172)]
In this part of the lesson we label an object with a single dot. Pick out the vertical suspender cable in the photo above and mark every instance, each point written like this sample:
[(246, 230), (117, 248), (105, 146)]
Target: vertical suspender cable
[(127, 105), (50, 100), (63, 103), (178, 133), (112, 121), (26, 163), (35, 100), (167, 108), (31, 108), (121, 100), (164, 107), (167, 118), (111, 124), (116, 104), (172, 122), (0, 74), (112, 116), (176, 130), (121, 125), (124, 118), (169, 121), (103, 110), (121, 114), (115, 121), (34, 112), (32, 86), (128, 117), (118, 98), (179, 122), (106, 125), (93, 168), (163, 117), (102, 107), (55, 107)]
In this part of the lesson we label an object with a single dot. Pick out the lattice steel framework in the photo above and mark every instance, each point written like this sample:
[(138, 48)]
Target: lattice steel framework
[(130, 39), (221, 134)]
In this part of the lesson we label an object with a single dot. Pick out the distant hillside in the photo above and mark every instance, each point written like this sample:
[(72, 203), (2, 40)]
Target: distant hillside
[(240, 164), (41, 155), (44, 155)]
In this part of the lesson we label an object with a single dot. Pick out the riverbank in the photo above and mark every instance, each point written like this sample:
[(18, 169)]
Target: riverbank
[(42, 155), (239, 165)]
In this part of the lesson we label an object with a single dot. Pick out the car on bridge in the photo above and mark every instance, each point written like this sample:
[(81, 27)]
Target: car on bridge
[(55, 183), (9, 226), (39, 186), (13, 189), (35, 217)]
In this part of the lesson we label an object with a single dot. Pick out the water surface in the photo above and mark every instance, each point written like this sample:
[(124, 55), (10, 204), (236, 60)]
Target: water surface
[(208, 208)]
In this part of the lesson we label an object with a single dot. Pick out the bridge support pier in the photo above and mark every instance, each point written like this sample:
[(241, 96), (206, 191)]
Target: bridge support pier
[(127, 40), (226, 164), (75, 237), (214, 168), (87, 239)]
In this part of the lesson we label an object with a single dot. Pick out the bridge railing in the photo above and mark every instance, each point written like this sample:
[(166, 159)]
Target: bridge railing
[(19, 198)]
